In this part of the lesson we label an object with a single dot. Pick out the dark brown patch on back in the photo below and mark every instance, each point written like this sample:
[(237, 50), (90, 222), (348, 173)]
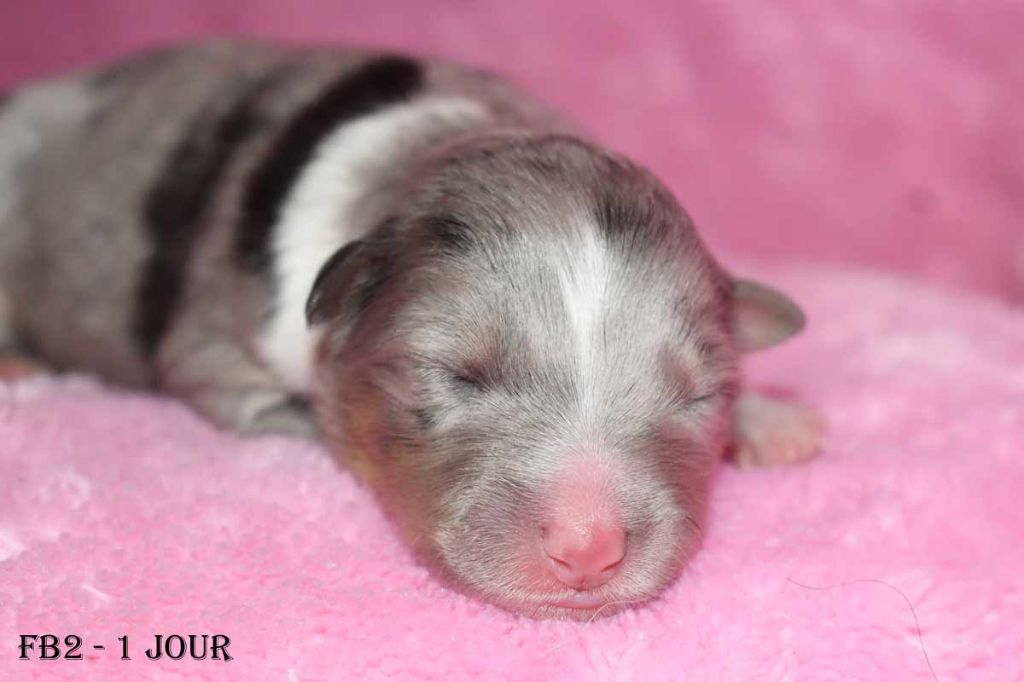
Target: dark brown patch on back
[(373, 86), (178, 202)]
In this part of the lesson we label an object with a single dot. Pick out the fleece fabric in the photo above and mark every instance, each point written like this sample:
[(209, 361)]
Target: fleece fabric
[(898, 554)]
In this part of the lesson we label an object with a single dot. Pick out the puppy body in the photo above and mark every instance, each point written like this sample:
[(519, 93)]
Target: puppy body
[(147, 217), (514, 336)]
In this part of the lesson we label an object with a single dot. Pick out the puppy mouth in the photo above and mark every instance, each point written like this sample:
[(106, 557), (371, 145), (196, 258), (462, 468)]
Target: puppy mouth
[(584, 600), (581, 606)]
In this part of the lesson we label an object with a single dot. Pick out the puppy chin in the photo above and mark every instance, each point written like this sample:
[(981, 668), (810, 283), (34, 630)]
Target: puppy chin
[(579, 606)]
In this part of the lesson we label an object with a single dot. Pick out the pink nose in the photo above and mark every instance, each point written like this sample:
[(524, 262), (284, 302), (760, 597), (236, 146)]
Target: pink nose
[(586, 555)]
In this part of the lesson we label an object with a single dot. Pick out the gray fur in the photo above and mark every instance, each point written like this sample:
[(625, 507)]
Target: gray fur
[(447, 378), (493, 309)]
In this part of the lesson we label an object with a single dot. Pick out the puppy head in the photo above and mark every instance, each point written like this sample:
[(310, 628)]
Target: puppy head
[(532, 363)]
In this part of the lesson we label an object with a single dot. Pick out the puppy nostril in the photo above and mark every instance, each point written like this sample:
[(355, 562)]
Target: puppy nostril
[(584, 557), (612, 567)]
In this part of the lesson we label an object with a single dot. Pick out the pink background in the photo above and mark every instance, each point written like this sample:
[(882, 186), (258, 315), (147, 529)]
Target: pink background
[(839, 137), (885, 134)]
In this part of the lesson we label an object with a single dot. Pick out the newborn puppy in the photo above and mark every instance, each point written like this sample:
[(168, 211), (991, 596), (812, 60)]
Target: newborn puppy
[(511, 334)]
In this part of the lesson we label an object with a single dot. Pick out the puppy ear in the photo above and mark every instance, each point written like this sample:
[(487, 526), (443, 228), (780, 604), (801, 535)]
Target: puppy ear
[(762, 316), (338, 284)]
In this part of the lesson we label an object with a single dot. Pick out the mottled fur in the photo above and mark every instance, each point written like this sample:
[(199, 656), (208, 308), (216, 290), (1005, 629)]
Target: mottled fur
[(460, 350), (489, 296)]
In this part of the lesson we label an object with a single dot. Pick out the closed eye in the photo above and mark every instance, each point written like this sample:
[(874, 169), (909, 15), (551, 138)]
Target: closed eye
[(706, 398), (470, 380), (472, 377), (459, 376), (686, 400)]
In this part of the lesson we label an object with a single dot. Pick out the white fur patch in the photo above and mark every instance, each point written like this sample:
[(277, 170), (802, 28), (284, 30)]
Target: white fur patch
[(23, 123), (315, 223), (584, 280)]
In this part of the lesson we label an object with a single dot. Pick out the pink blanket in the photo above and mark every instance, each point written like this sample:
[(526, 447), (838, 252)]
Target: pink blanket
[(897, 553), (858, 136)]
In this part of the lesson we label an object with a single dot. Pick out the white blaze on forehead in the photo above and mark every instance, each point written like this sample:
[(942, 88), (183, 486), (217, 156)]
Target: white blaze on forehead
[(315, 220), (584, 278)]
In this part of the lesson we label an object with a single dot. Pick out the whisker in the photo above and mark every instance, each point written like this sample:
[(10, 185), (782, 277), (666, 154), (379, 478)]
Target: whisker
[(913, 611), (612, 603)]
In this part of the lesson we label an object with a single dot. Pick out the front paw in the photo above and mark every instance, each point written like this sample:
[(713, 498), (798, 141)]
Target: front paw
[(289, 418), (769, 431)]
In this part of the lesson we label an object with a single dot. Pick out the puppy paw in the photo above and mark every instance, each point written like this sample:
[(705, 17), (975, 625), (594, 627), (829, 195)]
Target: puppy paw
[(289, 418), (770, 431)]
